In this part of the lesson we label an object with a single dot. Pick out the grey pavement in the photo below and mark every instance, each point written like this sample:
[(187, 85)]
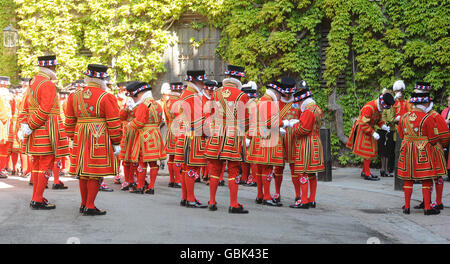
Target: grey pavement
[(349, 210)]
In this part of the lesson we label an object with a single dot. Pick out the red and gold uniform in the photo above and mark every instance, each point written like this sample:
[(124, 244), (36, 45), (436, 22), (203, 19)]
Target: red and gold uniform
[(127, 114), (92, 121), (362, 139), (226, 144), (48, 139), (144, 144), (419, 134), (266, 147), (6, 114), (309, 151), (191, 144), (170, 114)]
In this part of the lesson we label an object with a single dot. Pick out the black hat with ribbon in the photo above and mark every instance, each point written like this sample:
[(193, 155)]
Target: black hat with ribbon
[(5, 81), (289, 85), (97, 71), (275, 85), (235, 71), (211, 85), (302, 94), (386, 100), (192, 76), (136, 87), (47, 61), (177, 86)]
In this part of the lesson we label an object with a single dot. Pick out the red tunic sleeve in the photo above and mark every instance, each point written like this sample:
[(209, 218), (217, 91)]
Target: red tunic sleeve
[(71, 119), (110, 108), (141, 116), (305, 124), (46, 95)]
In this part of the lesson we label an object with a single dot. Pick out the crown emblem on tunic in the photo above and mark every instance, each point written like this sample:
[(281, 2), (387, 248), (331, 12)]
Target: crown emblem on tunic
[(412, 117), (87, 94), (226, 93)]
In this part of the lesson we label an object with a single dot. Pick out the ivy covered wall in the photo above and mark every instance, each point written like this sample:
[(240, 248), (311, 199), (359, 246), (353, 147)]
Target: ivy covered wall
[(371, 43), (8, 60)]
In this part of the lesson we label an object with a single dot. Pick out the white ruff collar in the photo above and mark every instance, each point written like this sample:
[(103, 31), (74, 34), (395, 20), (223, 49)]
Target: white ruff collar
[(147, 94), (48, 72), (199, 91), (272, 95), (305, 103), (98, 81), (421, 107), (233, 81)]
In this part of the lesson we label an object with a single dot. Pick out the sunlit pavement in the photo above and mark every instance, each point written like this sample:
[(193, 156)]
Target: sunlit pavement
[(349, 210)]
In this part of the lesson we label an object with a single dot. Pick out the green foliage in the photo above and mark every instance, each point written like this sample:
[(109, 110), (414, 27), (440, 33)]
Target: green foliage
[(8, 64), (371, 43)]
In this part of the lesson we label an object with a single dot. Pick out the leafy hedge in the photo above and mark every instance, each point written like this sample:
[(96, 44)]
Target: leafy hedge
[(372, 43)]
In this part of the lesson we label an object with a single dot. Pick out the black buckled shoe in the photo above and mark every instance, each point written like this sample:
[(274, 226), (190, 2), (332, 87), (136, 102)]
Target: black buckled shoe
[(59, 186), (82, 208), (149, 191), (197, 180), (221, 183), (127, 187), (137, 190), (432, 211), (440, 207), (177, 185), (371, 178), (252, 184), (299, 205), (259, 200), (195, 204), (42, 206), (383, 174), (171, 184), (312, 204), (241, 182), (237, 210), (105, 189), (406, 210), (272, 203), (183, 203), (94, 211), (212, 207), (420, 206)]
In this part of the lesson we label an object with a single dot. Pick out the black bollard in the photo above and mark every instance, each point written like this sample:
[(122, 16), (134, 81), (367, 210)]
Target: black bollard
[(326, 145), (398, 184)]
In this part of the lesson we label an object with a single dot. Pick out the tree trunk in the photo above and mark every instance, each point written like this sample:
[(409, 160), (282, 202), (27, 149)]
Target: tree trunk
[(338, 114)]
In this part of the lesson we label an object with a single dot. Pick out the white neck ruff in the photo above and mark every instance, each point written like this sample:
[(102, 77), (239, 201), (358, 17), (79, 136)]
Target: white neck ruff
[(233, 81), (147, 94), (306, 102), (199, 91), (98, 81), (48, 72), (272, 95)]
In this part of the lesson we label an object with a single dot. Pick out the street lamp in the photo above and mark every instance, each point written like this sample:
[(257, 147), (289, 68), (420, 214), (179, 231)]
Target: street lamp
[(10, 37)]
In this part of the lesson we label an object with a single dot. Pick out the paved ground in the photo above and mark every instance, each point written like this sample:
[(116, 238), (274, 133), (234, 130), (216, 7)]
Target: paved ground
[(349, 210)]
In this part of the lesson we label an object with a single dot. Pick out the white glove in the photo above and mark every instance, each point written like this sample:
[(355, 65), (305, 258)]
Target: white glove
[(397, 118), (116, 149), (282, 131), (292, 122), (386, 128), (375, 135), (130, 104), (285, 123), (26, 129), (20, 135), (247, 142)]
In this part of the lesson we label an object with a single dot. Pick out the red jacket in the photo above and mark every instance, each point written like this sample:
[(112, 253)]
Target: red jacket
[(230, 120), (361, 141), (42, 113), (93, 123)]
